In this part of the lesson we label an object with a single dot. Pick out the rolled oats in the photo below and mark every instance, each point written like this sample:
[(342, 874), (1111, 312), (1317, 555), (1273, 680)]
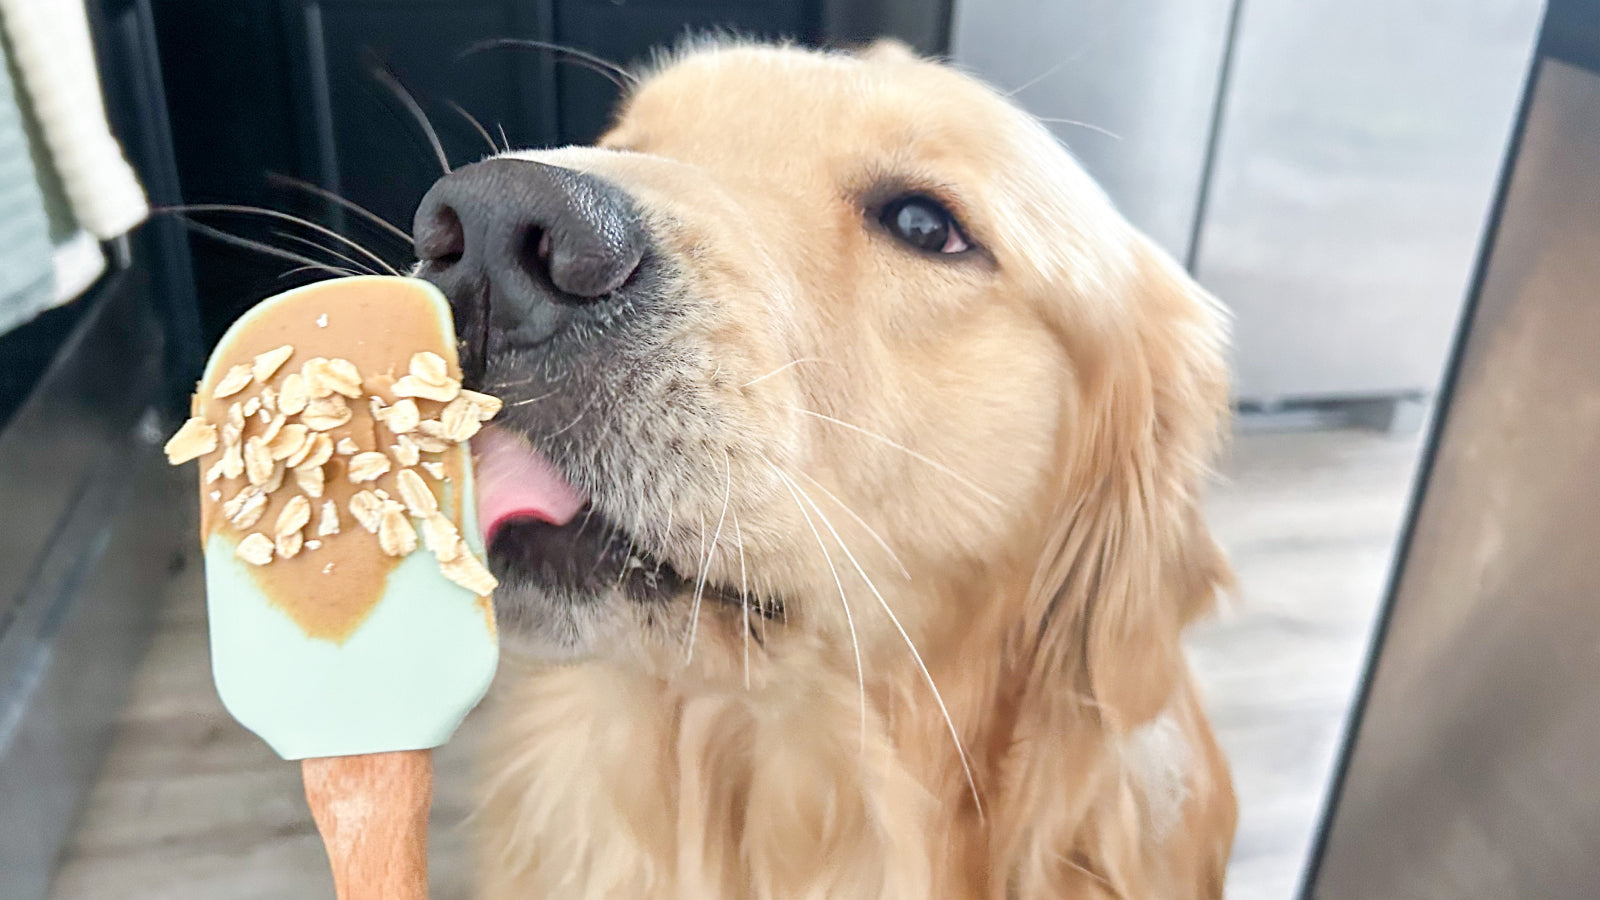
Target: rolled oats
[(274, 480), (488, 406), (405, 451), (234, 381), (292, 395), (436, 469), (329, 521), (460, 420), (466, 571), (304, 450), (429, 367), (274, 425), (289, 544), (245, 508), (367, 466), (325, 413), (256, 549), (233, 459), (412, 386), (341, 376), (321, 450), (296, 514), (266, 365), (441, 537), (429, 444), (346, 447), (257, 460), (252, 405), (366, 509), (396, 537), (310, 479), (218, 468), (194, 439), (400, 418), (311, 371), (290, 441), (415, 493)]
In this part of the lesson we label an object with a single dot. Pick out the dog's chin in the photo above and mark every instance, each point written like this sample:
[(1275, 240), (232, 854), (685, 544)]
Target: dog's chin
[(553, 626)]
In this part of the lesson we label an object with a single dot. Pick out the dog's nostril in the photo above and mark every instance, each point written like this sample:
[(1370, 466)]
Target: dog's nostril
[(533, 254), (439, 237)]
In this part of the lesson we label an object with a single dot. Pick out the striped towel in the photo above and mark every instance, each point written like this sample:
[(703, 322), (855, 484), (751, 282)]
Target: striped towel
[(64, 184), (27, 277), (50, 39)]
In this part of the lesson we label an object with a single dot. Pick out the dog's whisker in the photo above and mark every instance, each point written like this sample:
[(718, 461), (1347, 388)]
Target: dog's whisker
[(354, 264), (701, 556), (744, 599), (383, 75), (526, 401), (1089, 125), (890, 442), (574, 423), (582, 526), (666, 538), (1039, 77), (612, 72), (849, 618), (906, 573), (476, 125), (347, 203), (317, 268), (626, 559), (705, 566), (955, 734), (788, 365), (503, 139), (282, 217), (306, 262)]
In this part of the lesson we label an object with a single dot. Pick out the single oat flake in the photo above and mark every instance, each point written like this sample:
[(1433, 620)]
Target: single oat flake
[(466, 571), (235, 380), (266, 365), (195, 439), (256, 549), (367, 466)]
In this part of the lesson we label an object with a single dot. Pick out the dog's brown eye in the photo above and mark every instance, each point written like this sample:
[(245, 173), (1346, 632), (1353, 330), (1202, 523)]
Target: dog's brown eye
[(923, 224)]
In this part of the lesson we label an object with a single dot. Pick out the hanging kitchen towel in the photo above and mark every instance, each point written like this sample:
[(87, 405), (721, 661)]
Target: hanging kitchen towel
[(27, 282), (50, 40)]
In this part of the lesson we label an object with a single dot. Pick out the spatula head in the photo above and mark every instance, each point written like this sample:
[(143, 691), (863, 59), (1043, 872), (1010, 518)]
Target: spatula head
[(336, 643)]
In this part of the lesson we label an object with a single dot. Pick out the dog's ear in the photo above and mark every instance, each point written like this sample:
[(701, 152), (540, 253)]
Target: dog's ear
[(1128, 559)]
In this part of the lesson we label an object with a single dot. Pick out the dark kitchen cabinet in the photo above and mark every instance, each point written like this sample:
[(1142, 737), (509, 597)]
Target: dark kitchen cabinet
[(258, 87)]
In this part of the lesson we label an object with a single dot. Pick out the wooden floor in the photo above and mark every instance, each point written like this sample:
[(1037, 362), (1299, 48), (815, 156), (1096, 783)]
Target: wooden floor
[(189, 805)]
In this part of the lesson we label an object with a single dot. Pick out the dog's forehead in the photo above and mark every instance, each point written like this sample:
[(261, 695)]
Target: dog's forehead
[(751, 105)]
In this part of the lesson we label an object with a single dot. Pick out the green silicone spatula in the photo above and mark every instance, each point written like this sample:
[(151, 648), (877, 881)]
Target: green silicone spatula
[(348, 603)]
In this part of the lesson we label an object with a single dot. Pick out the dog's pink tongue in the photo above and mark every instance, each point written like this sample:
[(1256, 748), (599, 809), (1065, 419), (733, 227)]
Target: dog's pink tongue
[(514, 482)]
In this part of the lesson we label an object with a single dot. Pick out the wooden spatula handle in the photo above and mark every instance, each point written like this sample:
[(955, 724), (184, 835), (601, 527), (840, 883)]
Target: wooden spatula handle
[(372, 811)]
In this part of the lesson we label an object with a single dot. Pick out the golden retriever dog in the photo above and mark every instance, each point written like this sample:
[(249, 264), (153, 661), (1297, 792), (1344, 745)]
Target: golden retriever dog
[(845, 501)]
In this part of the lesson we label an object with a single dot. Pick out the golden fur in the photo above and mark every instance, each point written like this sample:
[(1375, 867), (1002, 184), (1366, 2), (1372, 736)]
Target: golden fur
[(995, 460)]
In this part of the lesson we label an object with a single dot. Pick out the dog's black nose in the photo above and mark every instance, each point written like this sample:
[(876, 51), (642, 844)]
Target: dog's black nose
[(537, 237)]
